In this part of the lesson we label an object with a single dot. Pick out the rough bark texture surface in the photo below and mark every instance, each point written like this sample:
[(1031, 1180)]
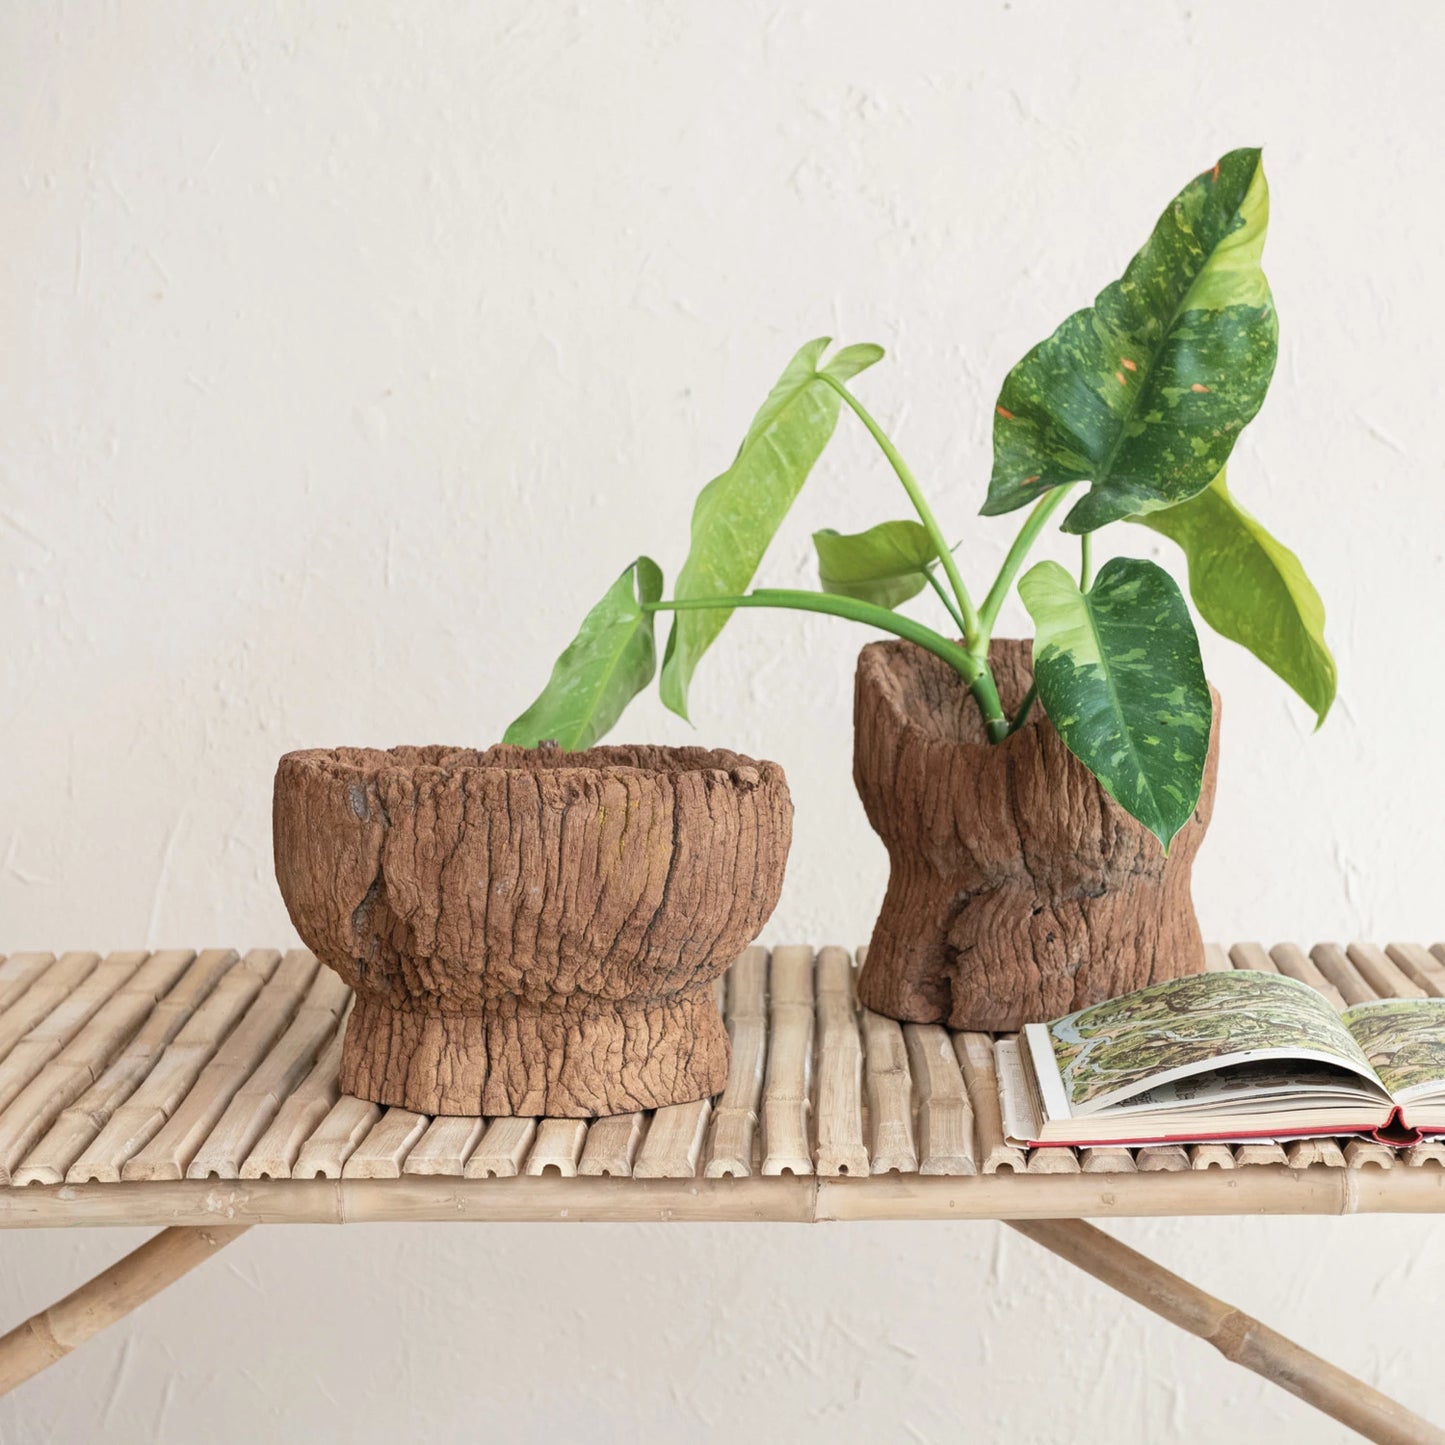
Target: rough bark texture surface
[(1018, 889), (531, 932)]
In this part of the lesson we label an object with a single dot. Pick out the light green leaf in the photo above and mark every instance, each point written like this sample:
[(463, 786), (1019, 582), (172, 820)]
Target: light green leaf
[(1120, 677), (847, 363), (1144, 393), (1251, 589), (612, 658), (885, 565), (738, 513)]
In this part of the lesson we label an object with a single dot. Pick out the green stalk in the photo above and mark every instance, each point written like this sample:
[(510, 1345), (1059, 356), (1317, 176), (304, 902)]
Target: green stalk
[(1025, 708), (1043, 509), (979, 679), (944, 598), (920, 505), (1086, 562)]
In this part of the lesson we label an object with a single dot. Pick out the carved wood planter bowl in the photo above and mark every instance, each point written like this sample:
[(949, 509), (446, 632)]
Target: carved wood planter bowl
[(1018, 889), (531, 932)]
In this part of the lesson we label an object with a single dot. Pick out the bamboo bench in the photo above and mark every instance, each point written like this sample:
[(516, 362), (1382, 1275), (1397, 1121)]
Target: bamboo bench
[(198, 1092)]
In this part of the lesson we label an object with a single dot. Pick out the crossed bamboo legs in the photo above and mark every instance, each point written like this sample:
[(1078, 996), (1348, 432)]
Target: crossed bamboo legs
[(126, 1285), (1237, 1336), (52, 1334)]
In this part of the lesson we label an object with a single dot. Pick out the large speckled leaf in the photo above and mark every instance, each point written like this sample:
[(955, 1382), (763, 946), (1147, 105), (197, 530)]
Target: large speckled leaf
[(738, 513), (1120, 677), (885, 565), (612, 658), (1251, 589), (1144, 393)]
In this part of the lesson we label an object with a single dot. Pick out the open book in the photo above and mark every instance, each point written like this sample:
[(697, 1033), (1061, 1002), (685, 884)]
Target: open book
[(1230, 1056)]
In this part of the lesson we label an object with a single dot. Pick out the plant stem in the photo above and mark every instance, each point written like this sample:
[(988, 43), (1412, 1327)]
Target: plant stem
[(1025, 708), (920, 505), (1043, 509), (985, 694), (976, 675), (944, 598), (1086, 562)]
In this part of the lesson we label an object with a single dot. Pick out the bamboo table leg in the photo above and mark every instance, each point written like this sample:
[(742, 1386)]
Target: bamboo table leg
[(126, 1285), (1236, 1335)]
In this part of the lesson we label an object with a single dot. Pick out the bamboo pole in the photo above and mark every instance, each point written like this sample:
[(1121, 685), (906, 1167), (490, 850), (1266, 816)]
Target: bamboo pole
[(673, 1143), (1252, 956), (890, 1096), (338, 1136), (1428, 1151), (503, 1149), (558, 1147), (1292, 960), (945, 1115), (1052, 1161), (52, 1334), (1335, 964), (382, 1153), (611, 1147), (446, 1146), (735, 1121), (1382, 973), (52, 1035), (279, 1073), (1421, 965), (168, 1079), (787, 1087), (18, 972), (1187, 1193), (1369, 1154), (1237, 1336), (1261, 1151), (1303, 1153), (176, 1143), (840, 1068), (80, 1122), (48, 989), (1211, 1156), (1162, 1158), (974, 1052), (1110, 1159), (298, 1118), (74, 1070)]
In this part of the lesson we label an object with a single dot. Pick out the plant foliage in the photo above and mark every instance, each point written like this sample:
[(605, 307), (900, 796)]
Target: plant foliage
[(1141, 398)]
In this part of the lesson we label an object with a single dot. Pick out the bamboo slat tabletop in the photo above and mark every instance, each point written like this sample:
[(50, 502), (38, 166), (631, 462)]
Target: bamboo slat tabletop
[(178, 1087)]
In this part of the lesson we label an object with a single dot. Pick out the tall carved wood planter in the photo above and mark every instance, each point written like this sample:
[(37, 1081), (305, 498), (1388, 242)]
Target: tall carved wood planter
[(531, 932), (1018, 889)]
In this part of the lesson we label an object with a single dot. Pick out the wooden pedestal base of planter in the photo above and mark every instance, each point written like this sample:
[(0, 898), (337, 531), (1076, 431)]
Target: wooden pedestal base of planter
[(531, 932), (510, 1057), (1018, 889)]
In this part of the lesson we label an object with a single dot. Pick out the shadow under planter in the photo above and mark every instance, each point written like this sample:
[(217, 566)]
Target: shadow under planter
[(1018, 890), (531, 932)]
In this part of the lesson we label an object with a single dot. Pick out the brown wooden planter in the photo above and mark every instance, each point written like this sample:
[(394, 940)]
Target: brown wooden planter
[(531, 932), (1018, 889)]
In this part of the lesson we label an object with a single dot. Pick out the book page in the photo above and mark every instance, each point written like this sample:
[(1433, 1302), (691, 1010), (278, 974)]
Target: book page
[(1187, 1026), (1404, 1040)]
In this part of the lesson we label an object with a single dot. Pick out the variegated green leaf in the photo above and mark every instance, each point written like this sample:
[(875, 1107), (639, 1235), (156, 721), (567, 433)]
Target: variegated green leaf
[(1251, 589), (885, 565), (738, 513), (1144, 393), (1120, 677), (612, 658)]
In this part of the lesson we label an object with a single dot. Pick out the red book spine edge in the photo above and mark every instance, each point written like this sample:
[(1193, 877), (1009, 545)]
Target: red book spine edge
[(1395, 1132)]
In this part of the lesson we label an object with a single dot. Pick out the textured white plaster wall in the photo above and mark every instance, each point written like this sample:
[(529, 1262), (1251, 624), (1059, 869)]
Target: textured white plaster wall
[(350, 350)]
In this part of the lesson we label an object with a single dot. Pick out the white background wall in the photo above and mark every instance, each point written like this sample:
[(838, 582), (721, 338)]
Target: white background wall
[(350, 351)]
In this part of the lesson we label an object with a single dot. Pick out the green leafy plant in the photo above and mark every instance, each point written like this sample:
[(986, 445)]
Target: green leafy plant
[(1138, 399)]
